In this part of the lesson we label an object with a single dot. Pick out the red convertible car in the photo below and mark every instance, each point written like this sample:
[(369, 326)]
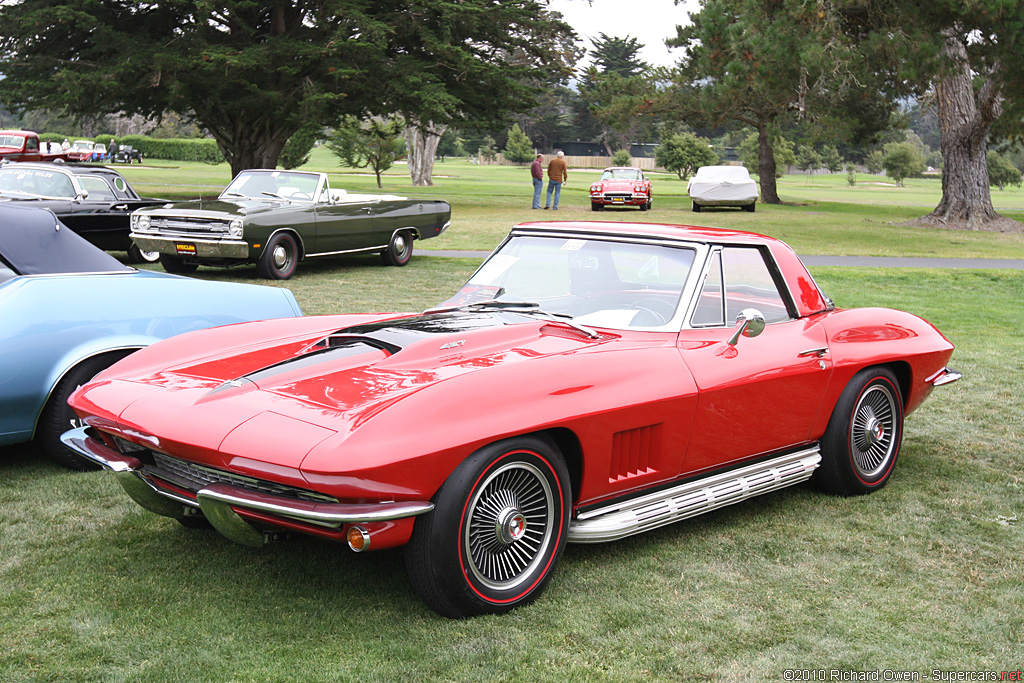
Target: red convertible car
[(621, 186), (589, 382)]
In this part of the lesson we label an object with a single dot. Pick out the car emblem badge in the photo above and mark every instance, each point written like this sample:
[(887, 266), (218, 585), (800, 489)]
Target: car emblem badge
[(452, 345)]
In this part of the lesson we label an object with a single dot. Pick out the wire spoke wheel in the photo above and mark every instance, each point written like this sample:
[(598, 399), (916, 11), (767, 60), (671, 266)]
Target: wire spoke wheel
[(497, 531), (509, 525), (872, 433), (862, 441)]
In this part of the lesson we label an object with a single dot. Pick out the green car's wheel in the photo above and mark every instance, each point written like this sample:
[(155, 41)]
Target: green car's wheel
[(177, 265), (280, 258), (399, 251)]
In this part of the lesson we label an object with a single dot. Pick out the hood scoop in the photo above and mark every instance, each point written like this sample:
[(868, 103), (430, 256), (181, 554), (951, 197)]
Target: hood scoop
[(395, 335), (329, 350)]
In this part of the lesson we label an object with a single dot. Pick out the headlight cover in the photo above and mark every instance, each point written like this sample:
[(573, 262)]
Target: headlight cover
[(235, 227)]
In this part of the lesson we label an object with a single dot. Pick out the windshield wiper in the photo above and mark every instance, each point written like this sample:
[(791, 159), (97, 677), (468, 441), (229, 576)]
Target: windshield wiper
[(521, 307), (236, 194), (275, 196)]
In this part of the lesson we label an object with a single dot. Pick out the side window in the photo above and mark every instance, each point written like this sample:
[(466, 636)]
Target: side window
[(98, 188), (709, 309), (749, 284)]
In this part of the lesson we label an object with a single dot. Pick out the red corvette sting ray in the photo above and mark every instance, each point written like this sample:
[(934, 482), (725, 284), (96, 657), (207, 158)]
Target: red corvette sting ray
[(590, 381)]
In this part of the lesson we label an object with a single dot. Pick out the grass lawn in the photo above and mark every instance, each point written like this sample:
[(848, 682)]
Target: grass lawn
[(923, 575), (822, 214)]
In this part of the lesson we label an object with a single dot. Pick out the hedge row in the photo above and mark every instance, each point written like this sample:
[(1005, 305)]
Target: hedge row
[(173, 149)]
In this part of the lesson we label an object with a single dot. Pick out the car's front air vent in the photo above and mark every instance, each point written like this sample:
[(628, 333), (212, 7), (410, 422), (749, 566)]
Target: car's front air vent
[(194, 477), (631, 452)]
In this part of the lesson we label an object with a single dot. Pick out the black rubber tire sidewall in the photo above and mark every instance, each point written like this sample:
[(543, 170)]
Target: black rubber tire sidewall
[(838, 473), (266, 268), (176, 265), (435, 558), (135, 255), (392, 256), (57, 415)]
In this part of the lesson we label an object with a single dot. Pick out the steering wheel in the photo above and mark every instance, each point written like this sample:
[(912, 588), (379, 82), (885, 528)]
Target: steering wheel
[(651, 309)]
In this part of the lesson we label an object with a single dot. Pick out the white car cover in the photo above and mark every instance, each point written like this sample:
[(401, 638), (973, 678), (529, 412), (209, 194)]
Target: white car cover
[(722, 185)]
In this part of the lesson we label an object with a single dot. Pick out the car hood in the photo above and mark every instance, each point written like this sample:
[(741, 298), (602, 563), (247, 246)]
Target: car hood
[(307, 389), (220, 208)]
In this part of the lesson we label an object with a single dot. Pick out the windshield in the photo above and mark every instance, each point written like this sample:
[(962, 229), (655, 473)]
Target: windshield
[(36, 183), (600, 283), (273, 184), (15, 141), (621, 174)]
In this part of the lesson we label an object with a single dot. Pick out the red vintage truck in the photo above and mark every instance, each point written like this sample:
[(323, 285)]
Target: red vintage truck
[(24, 145)]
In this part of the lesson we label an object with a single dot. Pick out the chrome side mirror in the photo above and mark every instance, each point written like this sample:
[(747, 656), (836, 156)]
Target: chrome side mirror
[(749, 323)]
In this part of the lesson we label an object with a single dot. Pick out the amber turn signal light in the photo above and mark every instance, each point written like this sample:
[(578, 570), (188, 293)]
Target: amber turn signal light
[(358, 539)]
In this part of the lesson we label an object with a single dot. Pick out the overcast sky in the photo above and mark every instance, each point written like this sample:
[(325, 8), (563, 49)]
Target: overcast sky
[(649, 21)]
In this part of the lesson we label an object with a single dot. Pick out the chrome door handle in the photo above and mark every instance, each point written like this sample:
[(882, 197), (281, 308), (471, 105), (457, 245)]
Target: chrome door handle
[(121, 207), (813, 352)]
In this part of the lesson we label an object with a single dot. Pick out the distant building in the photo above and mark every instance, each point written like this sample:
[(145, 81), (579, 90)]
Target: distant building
[(596, 149)]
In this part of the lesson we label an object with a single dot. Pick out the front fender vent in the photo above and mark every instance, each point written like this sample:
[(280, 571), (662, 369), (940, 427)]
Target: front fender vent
[(632, 451)]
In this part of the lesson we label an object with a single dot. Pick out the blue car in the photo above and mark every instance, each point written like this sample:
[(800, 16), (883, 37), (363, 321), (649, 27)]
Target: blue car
[(69, 310)]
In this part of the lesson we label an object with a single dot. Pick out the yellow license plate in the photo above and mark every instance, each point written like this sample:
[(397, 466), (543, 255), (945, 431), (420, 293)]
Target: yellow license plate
[(185, 249)]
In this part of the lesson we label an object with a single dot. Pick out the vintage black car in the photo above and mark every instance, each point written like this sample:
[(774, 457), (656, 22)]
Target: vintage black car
[(277, 218), (126, 154), (93, 201)]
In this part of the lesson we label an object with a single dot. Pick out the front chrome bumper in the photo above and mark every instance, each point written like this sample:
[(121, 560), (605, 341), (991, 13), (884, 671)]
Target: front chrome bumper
[(205, 248), (221, 503), (943, 377)]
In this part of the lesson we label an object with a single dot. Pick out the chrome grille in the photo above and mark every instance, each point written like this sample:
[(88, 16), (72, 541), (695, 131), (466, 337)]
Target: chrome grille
[(195, 477), (188, 226)]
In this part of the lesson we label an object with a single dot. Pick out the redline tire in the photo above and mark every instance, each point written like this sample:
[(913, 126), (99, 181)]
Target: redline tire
[(399, 251), (497, 532), (862, 441), (279, 258)]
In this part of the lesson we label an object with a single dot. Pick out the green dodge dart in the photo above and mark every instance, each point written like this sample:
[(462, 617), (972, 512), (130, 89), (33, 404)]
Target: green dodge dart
[(277, 218)]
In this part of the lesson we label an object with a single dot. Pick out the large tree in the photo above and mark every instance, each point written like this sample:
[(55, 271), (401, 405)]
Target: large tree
[(612, 90), (253, 73), (979, 91), (761, 63)]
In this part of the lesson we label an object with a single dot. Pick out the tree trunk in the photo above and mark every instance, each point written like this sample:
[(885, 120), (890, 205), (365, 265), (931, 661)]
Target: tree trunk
[(964, 124), (766, 165), (423, 142), (247, 142)]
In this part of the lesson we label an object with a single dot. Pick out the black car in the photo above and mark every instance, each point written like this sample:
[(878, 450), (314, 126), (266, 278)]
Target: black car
[(126, 154), (93, 201)]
